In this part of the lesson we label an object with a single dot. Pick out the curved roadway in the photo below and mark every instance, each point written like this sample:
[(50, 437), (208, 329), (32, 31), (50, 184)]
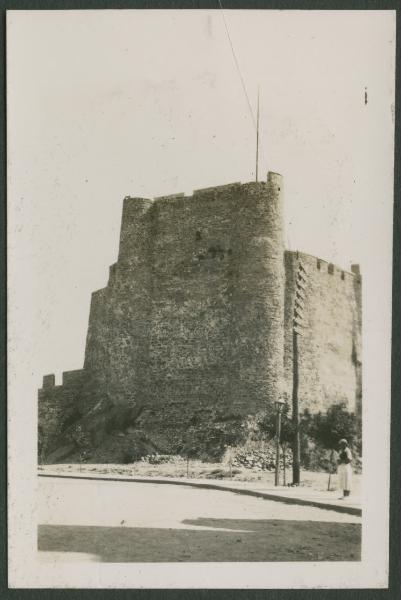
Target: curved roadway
[(109, 521)]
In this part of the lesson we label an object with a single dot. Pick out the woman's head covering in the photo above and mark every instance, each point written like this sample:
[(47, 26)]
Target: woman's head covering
[(343, 441)]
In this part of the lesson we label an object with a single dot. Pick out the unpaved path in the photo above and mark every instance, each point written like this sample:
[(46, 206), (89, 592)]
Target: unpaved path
[(133, 522)]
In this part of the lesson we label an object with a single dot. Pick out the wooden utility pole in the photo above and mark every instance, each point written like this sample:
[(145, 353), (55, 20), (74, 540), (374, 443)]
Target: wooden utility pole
[(296, 451), (278, 433), (279, 404), (298, 324), (284, 447)]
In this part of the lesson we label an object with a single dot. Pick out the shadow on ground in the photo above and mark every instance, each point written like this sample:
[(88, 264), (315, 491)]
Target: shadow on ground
[(253, 540)]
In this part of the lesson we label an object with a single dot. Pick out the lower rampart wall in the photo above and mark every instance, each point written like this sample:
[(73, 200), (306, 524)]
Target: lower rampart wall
[(57, 406), (329, 351)]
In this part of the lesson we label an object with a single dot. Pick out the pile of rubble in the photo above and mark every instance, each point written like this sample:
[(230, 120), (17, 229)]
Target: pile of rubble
[(159, 459), (259, 459)]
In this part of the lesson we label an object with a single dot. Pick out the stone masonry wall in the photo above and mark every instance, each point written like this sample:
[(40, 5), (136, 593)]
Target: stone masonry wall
[(192, 316), (217, 322), (56, 407), (330, 349)]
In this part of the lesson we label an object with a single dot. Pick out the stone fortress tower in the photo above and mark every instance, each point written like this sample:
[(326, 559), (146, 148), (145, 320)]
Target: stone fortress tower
[(197, 315)]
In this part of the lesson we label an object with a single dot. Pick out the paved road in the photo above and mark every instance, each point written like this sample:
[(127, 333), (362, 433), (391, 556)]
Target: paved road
[(133, 522)]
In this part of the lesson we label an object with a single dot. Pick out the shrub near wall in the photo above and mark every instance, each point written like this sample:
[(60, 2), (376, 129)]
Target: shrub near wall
[(209, 438), (320, 434)]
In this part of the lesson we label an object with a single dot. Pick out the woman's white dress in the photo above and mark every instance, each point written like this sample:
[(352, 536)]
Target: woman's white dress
[(344, 472)]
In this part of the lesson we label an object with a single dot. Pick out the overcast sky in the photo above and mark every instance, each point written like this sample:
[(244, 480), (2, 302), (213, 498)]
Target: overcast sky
[(104, 104)]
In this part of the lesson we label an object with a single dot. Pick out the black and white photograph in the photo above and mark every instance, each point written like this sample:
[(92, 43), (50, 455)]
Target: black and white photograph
[(199, 297)]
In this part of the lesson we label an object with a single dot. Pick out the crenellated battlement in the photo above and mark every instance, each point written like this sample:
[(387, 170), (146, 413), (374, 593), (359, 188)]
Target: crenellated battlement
[(217, 188), (69, 378), (169, 196), (325, 267)]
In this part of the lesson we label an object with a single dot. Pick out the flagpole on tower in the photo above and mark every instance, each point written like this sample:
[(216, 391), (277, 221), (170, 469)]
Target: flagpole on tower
[(257, 138)]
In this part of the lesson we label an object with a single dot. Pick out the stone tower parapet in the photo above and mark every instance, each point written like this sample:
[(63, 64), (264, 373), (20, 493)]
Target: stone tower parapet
[(193, 313)]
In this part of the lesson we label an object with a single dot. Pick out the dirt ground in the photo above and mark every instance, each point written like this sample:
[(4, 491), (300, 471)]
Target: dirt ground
[(109, 521), (200, 470)]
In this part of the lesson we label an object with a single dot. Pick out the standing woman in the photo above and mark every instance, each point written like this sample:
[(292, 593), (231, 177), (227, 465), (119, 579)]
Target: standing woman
[(344, 468)]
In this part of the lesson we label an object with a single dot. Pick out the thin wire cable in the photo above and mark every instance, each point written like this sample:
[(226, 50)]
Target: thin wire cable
[(238, 67), (257, 140)]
